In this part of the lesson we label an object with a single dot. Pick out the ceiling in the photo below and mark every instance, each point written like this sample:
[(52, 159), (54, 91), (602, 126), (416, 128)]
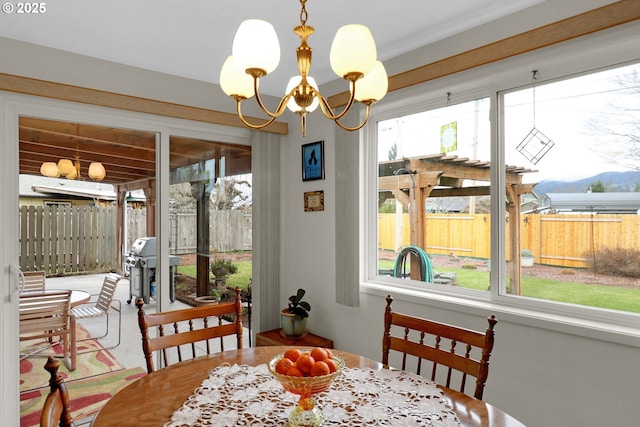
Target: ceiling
[(192, 39)]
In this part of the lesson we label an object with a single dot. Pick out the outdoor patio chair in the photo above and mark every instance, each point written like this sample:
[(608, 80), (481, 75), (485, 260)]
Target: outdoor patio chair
[(197, 325), (33, 281), (56, 411), (100, 306), (463, 352), (47, 315)]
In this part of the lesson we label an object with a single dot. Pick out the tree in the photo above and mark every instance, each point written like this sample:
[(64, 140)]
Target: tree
[(597, 187), (228, 193), (619, 128), (393, 152)]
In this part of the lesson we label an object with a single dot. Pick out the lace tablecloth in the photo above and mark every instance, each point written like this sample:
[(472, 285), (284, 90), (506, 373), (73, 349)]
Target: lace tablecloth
[(242, 395)]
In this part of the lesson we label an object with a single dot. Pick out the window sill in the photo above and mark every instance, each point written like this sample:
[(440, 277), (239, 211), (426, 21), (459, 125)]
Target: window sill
[(615, 327)]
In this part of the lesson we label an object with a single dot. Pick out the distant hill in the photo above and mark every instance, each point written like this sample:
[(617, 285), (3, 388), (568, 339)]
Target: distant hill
[(613, 181)]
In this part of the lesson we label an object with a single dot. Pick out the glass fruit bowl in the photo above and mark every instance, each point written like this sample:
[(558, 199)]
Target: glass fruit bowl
[(306, 413)]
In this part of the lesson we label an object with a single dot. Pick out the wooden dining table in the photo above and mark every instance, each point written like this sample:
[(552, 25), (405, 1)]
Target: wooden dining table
[(152, 399)]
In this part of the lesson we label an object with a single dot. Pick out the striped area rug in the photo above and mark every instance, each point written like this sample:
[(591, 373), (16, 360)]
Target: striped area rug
[(97, 377), (87, 395), (32, 372)]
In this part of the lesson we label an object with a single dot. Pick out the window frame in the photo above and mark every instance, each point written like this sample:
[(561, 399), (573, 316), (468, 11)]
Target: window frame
[(606, 49)]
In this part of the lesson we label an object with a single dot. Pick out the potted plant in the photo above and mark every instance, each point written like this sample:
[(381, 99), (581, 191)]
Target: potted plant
[(526, 258), (293, 319), (213, 298), (221, 269)]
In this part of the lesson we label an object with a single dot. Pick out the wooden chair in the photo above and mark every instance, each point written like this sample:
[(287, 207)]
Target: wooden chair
[(33, 281), (438, 343), (196, 328), (103, 302), (48, 315), (56, 411)]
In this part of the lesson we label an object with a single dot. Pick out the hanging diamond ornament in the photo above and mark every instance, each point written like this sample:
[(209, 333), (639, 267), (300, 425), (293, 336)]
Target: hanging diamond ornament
[(536, 144)]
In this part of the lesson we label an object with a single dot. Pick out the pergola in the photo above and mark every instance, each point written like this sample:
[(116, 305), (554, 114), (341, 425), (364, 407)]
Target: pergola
[(412, 180)]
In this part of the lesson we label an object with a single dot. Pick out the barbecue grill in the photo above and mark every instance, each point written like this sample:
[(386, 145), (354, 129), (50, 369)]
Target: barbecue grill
[(141, 264)]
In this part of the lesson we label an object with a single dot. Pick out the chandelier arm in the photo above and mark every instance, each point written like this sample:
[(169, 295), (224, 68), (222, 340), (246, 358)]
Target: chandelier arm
[(282, 105), (326, 108), (347, 128), (251, 125)]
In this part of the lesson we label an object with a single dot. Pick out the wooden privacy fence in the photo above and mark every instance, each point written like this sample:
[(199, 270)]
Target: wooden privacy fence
[(67, 239), (82, 239), (555, 239)]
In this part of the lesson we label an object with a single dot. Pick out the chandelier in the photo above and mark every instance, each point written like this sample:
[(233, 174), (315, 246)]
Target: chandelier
[(71, 170), (256, 52)]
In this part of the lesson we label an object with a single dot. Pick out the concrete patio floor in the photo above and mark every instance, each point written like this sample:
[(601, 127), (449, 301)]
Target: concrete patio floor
[(129, 352)]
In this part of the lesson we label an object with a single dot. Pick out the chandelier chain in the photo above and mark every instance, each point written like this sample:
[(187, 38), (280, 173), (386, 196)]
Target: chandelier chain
[(303, 12)]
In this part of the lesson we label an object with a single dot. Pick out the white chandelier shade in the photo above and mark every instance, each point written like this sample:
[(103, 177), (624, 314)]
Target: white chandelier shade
[(49, 169), (256, 53), (97, 171), (352, 51), (256, 45), (66, 167), (234, 80), (373, 85)]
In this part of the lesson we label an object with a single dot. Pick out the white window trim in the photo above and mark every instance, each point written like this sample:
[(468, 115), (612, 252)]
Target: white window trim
[(600, 50)]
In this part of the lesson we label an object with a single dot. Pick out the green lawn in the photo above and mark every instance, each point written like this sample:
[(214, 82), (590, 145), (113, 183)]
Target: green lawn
[(240, 279), (616, 298), (577, 293)]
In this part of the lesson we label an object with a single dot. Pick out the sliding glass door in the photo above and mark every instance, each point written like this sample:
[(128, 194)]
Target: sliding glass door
[(136, 151)]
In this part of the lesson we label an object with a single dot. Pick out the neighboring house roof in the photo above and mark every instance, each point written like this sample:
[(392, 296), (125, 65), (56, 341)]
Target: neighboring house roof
[(41, 186), (530, 202), (592, 202)]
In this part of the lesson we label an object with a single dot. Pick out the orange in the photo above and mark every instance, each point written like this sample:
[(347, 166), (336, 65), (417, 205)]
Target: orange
[(292, 354), (283, 366), (332, 365), (329, 354), (304, 363), (295, 372), (320, 368), (319, 353)]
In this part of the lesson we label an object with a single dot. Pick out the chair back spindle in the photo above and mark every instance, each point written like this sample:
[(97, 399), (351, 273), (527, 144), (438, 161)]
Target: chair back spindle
[(461, 352), (56, 410), (171, 332)]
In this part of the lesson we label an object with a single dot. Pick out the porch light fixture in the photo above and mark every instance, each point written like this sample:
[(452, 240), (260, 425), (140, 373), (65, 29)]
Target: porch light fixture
[(71, 170), (256, 52)]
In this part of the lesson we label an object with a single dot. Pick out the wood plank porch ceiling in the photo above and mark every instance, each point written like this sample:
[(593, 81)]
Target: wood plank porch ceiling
[(127, 155)]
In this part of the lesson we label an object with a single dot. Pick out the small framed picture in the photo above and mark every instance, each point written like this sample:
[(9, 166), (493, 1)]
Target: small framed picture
[(313, 161), (314, 201)]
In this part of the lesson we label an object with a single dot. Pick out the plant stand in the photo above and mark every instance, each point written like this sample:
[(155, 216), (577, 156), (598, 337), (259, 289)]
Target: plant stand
[(274, 337)]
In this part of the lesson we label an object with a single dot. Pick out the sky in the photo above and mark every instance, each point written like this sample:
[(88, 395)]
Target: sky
[(562, 114)]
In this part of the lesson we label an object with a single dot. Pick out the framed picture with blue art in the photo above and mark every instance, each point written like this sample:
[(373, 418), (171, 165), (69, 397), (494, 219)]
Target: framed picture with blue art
[(313, 161)]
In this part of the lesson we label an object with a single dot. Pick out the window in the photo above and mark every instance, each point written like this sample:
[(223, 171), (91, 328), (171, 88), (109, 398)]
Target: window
[(568, 236), (433, 190), (579, 216)]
